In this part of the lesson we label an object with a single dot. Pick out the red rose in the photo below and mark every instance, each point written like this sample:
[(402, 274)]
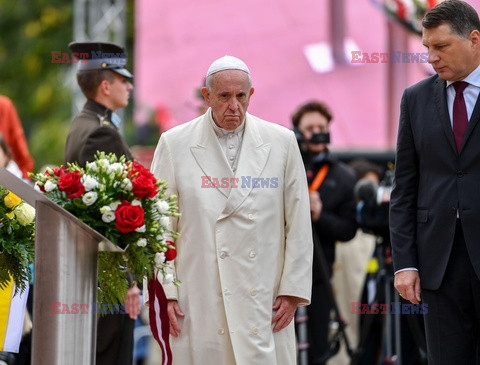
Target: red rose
[(59, 171), (137, 168), (70, 183), (129, 217), (170, 254), (144, 187)]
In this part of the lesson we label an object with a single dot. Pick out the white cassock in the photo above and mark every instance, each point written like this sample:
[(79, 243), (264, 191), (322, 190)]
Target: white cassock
[(243, 243)]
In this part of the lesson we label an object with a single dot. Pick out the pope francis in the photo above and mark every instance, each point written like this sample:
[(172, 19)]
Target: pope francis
[(244, 255)]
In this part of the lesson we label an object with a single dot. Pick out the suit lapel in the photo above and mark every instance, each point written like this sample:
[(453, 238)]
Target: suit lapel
[(440, 94), (210, 157), (252, 160)]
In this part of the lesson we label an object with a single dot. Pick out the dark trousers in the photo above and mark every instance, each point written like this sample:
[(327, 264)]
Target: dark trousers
[(452, 323), (115, 340)]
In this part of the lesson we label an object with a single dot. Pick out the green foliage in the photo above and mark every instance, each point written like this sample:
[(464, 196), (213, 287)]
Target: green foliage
[(17, 238), (42, 90), (30, 31)]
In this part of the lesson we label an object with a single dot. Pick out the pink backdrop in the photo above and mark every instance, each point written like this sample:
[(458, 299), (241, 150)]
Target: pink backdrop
[(175, 42)]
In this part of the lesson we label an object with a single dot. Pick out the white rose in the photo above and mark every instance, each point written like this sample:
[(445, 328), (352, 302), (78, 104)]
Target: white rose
[(162, 207), (25, 213), (126, 184), (90, 198), (159, 258), (105, 209), (142, 242), (89, 182), (141, 229), (167, 279), (49, 186), (108, 217)]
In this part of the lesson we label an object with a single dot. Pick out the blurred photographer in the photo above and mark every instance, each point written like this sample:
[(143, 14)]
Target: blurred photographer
[(373, 198), (332, 207)]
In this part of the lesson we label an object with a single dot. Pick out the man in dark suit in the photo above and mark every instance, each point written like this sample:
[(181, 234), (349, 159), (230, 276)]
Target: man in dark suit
[(435, 203), (105, 82)]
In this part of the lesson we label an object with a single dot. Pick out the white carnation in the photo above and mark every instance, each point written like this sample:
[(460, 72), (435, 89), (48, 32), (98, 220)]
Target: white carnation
[(137, 202), (49, 186), (89, 182), (142, 242), (162, 206), (90, 198), (108, 217), (37, 188)]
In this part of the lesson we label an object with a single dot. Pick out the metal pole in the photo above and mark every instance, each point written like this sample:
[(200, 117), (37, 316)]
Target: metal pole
[(397, 78), (337, 30)]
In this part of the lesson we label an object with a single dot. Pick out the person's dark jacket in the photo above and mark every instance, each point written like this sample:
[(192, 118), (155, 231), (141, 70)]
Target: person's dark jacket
[(92, 130), (337, 220)]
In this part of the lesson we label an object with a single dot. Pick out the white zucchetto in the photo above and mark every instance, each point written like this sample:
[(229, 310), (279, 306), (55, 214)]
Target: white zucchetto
[(227, 63)]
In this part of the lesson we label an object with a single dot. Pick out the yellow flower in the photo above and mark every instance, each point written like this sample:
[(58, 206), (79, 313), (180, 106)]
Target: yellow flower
[(11, 200), (25, 214)]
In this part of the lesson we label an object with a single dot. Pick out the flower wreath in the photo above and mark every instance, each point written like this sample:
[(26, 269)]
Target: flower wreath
[(123, 201)]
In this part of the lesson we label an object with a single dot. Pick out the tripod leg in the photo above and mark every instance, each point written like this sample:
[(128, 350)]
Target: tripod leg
[(302, 334)]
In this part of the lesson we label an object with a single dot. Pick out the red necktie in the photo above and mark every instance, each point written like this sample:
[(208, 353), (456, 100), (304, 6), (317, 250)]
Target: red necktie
[(460, 116)]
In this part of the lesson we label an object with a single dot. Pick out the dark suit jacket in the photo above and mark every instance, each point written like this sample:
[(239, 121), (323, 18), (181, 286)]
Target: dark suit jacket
[(432, 181), (93, 130)]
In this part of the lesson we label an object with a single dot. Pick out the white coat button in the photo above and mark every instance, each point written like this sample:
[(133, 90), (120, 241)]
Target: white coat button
[(254, 331), (231, 146), (253, 292), (221, 331), (223, 254), (231, 158), (252, 254), (250, 216)]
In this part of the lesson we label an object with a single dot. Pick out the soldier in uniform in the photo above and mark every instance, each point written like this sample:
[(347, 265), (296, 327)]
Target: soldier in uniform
[(105, 82)]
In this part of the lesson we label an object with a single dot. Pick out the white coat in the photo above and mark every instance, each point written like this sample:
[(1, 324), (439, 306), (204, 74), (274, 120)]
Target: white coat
[(242, 244)]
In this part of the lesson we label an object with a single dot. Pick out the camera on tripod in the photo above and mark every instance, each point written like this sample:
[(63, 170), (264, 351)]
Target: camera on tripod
[(373, 204)]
